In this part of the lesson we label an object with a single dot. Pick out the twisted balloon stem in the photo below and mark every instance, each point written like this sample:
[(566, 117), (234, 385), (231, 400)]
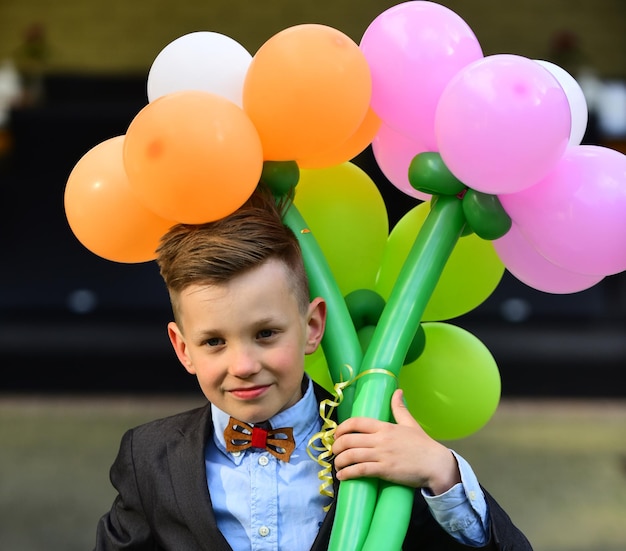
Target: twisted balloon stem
[(387, 349), (340, 343)]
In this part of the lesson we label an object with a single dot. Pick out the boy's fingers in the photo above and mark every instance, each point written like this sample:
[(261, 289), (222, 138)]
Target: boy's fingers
[(401, 413), (356, 424), (399, 410)]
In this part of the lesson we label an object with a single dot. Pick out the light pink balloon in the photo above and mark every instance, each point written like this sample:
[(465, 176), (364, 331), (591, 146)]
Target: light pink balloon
[(413, 50), (502, 124), (394, 152), (576, 215), (531, 268)]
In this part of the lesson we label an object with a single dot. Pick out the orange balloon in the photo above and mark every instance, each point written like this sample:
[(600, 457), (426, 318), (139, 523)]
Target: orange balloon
[(103, 212), (354, 145), (307, 90), (192, 156)]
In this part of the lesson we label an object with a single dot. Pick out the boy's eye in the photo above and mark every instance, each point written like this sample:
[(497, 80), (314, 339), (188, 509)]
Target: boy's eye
[(215, 341), (265, 333)]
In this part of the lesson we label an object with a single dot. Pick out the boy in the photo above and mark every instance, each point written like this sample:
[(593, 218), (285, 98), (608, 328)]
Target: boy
[(235, 474)]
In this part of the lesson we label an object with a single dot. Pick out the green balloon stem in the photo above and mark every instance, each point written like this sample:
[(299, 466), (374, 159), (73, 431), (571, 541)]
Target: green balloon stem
[(356, 500), (380, 535), (340, 343), (388, 348), (414, 287)]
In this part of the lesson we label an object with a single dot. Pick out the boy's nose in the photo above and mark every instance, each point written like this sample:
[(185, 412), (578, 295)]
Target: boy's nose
[(243, 363)]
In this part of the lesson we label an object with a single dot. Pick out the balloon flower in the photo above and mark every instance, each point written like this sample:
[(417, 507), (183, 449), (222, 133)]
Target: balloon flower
[(491, 145)]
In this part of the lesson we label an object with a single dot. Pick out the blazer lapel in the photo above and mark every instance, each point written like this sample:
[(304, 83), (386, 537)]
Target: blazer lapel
[(186, 457)]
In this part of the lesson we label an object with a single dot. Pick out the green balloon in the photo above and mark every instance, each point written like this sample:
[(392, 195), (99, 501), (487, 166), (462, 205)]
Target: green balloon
[(346, 213), (417, 346), (485, 215), (429, 174), (316, 367), (280, 176), (365, 307), (470, 276), (365, 335), (453, 388)]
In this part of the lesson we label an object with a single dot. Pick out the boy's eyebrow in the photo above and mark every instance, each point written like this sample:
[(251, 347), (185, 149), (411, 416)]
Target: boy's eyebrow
[(264, 320), (203, 334)]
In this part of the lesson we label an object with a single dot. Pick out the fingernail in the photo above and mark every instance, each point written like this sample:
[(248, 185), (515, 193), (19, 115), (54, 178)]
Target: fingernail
[(403, 399)]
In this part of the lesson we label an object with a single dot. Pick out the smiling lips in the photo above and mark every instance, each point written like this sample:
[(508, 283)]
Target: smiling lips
[(249, 393)]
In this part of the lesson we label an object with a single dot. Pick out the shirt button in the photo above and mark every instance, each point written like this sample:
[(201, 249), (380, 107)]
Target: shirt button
[(472, 495), (264, 531), (263, 460), (236, 454)]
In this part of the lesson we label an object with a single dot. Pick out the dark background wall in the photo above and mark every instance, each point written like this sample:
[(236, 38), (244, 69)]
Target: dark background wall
[(72, 321), (119, 36)]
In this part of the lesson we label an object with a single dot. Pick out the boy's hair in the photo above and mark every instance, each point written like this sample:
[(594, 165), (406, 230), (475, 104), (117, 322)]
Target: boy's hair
[(215, 252)]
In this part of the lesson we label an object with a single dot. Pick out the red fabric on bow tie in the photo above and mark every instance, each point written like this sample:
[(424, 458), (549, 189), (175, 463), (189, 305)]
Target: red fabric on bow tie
[(240, 436)]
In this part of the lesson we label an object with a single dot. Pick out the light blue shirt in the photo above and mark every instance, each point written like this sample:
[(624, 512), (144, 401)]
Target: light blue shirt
[(262, 503), (462, 510)]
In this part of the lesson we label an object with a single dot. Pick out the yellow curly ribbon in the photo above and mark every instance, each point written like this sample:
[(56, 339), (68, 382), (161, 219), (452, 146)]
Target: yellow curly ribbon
[(326, 435)]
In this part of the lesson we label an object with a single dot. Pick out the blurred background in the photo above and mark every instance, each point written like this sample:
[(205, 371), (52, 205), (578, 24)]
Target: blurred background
[(75, 75), (75, 327)]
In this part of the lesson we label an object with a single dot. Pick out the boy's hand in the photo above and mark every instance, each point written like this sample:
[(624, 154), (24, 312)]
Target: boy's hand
[(401, 453)]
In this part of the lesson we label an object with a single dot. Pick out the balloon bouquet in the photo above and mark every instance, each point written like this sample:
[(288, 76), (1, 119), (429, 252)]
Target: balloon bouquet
[(490, 144)]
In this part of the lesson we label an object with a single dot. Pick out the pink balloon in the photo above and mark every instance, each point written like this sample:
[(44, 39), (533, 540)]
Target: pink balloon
[(394, 152), (502, 124), (576, 216), (526, 264), (413, 50)]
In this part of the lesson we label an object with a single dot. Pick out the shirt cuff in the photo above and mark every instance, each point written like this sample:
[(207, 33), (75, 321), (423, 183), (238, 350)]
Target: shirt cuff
[(462, 511)]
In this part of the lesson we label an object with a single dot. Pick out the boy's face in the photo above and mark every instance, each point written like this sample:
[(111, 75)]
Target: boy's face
[(246, 340)]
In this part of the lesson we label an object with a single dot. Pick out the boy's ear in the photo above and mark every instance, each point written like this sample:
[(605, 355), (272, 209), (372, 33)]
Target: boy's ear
[(180, 346), (316, 322)]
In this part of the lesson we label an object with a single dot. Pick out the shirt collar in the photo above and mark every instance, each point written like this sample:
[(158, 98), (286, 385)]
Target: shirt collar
[(303, 417)]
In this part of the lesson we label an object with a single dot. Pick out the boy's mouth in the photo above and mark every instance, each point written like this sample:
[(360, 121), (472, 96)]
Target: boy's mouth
[(249, 393)]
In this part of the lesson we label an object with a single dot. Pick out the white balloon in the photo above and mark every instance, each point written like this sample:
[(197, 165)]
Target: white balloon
[(203, 60), (575, 97)]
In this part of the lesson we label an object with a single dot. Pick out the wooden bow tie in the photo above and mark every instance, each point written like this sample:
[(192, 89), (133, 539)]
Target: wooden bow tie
[(240, 436)]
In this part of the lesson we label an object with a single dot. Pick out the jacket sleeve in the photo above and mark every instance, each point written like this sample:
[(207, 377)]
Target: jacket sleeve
[(125, 526), (505, 536), (425, 534)]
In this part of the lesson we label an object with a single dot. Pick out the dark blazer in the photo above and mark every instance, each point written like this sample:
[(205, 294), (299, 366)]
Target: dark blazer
[(163, 502)]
